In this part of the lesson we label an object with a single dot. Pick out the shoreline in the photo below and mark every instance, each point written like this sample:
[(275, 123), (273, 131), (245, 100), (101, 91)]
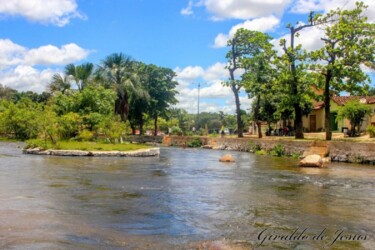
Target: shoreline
[(336, 151), (148, 152)]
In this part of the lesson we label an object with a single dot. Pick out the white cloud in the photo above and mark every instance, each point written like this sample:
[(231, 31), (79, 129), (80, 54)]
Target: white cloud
[(244, 9), (24, 78), (10, 53), (52, 55), (309, 38), (17, 63), (57, 12), (189, 73), (213, 95), (305, 6), (188, 10), (262, 24)]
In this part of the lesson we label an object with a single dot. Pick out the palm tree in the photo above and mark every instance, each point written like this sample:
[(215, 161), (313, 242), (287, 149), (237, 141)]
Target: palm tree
[(58, 83), (120, 71), (81, 74)]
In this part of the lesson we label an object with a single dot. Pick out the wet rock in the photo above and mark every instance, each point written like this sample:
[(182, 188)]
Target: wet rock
[(227, 158), (69, 152), (312, 161), (207, 146)]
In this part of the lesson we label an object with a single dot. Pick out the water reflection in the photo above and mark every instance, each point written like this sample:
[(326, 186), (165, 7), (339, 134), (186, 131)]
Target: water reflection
[(177, 200)]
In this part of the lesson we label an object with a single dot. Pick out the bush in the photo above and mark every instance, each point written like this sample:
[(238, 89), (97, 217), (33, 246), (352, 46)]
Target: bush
[(68, 125), (371, 131), (195, 143), (253, 147), (175, 130), (86, 135), (278, 150)]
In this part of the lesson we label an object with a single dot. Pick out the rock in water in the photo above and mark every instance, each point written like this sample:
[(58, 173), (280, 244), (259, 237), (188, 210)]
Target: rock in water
[(227, 158), (315, 161)]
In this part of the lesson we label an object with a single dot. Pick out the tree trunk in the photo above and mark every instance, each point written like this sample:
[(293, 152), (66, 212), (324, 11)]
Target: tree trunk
[(238, 111), (141, 125), (122, 107), (156, 125), (327, 106), (259, 128), (298, 125), (256, 116)]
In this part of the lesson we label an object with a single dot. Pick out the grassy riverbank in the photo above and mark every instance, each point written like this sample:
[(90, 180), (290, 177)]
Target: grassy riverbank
[(85, 146)]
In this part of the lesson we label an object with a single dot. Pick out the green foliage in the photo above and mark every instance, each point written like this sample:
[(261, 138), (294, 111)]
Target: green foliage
[(20, 120), (194, 143), (74, 145), (355, 112), (349, 45), (113, 128), (176, 130), (278, 150), (253, 147), (85, 135), (371, 130), (69, 125), (261, 152)]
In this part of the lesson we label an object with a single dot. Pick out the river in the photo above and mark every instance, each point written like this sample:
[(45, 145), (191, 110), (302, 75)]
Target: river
[(184, 199)]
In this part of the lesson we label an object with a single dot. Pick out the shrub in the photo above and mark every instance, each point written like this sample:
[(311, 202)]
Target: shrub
[(175, 130), (261, 152), (371, 131), (194, 143), (85, 135), (254, 147), (278, 150)]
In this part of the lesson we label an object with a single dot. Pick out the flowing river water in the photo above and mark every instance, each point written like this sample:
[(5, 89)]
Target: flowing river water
[(184, 199)]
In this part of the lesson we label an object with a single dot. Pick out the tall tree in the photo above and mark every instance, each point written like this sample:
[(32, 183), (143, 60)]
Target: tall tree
[(119, 71), (244, 45), (349, 45), (162, 90), (258, 78), (294, 59)]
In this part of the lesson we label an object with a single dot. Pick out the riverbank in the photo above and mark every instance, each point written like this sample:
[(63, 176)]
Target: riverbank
[(131, 153), (338, 151), (73, 148)]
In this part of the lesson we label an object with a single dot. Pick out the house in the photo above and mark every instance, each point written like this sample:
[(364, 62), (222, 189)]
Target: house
[(314, 122)]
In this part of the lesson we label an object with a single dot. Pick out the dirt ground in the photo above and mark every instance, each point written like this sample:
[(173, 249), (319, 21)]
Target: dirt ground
[(321, 136)]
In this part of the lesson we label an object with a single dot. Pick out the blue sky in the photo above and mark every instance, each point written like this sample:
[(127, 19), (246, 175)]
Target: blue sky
[(38, 38)]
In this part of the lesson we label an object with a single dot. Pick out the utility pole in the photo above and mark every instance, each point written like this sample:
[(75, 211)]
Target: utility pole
[(199, 86)]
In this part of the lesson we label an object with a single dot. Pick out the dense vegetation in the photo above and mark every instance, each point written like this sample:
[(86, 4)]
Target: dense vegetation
[(284, 85), (122, 96)]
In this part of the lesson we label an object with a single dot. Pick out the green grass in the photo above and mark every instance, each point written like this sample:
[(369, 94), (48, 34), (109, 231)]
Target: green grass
[(86, 146)]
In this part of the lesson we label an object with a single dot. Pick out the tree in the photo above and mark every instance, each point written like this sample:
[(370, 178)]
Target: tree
[(355, 112), (293, 58), (161, 87), (81, 74), (259, 77), (118, 70), (6, 92), (58, 83), (349, 45), (245, 44)]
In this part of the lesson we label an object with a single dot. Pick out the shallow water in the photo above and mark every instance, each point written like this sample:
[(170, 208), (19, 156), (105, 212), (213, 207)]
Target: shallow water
[(183, 199)]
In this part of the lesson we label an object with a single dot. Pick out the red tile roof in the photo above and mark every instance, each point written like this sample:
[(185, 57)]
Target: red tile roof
[(341, 100)]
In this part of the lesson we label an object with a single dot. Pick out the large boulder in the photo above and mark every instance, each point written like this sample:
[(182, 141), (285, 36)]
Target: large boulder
[(227, 158), (315, 161)]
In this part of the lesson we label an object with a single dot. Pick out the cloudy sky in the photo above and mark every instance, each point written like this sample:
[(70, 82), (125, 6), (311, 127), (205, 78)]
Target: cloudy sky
[(38, 38)]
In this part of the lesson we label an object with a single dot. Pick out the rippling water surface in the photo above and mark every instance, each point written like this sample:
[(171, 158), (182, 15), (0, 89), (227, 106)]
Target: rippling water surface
[(181, 200)]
